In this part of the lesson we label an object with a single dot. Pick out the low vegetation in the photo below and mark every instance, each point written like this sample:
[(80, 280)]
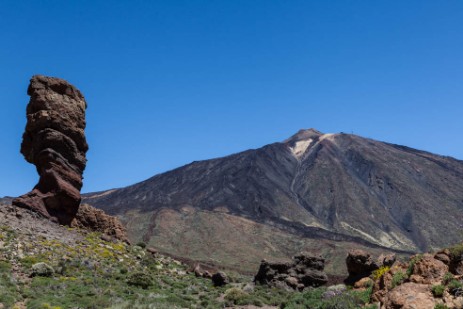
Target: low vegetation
[(38, 272)]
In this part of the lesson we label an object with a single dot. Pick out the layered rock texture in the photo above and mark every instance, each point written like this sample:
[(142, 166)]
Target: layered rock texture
[(304, 271), (361, 264), (425, 281), (315, 192), (54, 141), (97, 220)]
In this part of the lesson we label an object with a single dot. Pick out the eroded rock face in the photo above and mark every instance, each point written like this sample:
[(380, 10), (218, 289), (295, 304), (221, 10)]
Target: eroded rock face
[(359, 264), (304, 271), (54, 141), (97, 220)]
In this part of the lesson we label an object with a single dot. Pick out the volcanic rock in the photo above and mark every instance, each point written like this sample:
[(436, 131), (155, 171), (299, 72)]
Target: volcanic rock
[(55, 143), (410, 295), (219, 279), (97, 220), (304, 271), (359, 264), (428, 270)]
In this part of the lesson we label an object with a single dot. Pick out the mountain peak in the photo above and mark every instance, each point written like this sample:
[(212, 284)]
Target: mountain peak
[(304, 134), (302, 140)]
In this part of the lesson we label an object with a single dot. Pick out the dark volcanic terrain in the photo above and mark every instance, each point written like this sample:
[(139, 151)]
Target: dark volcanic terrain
[(316, 192)]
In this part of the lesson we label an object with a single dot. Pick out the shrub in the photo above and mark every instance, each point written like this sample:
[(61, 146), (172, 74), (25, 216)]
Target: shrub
[(455, 286), (141, 244), (412, 263), (438, 290), (447, 278), (456, 252), (397, 279), (377, 274), (440, 306), (140, 279), (236, 296)]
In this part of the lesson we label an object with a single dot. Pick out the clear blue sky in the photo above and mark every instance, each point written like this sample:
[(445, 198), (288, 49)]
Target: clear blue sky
[(170, 82)]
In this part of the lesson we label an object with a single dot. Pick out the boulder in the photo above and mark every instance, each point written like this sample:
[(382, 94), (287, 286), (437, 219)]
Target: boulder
[(219, 279), (410, 296), (42, 269), (428, 270), (359, 264), (54, 141), (304, 271)]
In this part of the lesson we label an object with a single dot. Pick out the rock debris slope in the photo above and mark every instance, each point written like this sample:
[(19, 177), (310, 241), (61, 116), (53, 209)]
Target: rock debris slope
[(54, 141), (325, 187)]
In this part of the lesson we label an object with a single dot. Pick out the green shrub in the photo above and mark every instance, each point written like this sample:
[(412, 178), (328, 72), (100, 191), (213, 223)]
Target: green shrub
[(397, 279), (140, 279), (447, 278), (438, 290), (454, 284), (456, 252), (235, 296), (440, 306), (141, 244), (412, 263), (5, 266)]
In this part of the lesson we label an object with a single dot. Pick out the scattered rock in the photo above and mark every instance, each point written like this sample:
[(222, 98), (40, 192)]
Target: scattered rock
[(334, 290), (219, 279), (152, 251), (304, 271), (54, 141), (106, 237), (42, 269), (363, 283)]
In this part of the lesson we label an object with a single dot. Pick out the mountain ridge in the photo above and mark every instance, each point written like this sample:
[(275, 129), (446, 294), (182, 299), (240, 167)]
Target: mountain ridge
[(337, 187)]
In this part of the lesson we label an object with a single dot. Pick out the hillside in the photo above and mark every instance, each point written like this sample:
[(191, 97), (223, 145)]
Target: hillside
[(314, 192), (44, 265)]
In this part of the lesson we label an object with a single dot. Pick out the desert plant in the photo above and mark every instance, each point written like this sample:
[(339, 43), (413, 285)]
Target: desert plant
[(377, 274), (447, 278), (235, 296), (438, 290), (397, 279), (140, 279), (141, 244), (412, 263), (455, 287), (440, 306), (456, 252)]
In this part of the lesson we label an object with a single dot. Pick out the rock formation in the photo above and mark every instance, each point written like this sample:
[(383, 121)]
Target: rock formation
[(425, 281), (55, 143), (97, 220), (304, 271), (361, 264)]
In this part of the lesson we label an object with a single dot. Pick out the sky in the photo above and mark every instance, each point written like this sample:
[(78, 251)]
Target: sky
[(171, 82)]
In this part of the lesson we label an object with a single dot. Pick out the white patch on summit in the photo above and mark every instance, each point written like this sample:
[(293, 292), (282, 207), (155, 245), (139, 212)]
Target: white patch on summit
[(300, 147), (328, 136)]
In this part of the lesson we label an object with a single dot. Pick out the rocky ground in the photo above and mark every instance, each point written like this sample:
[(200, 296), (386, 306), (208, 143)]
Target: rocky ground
[(45, 265)]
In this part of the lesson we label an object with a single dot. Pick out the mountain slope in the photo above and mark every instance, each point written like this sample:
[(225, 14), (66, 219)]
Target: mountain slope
[(339, 188)]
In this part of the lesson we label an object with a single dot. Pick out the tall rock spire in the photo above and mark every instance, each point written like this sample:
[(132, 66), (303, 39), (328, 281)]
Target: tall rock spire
[(54, 141)]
